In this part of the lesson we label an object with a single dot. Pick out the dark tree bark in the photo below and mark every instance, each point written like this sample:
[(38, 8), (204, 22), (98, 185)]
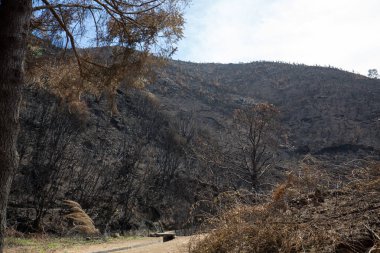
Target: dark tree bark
[(14, 24)]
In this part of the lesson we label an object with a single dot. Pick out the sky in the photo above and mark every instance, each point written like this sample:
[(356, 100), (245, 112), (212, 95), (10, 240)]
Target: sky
[(339, 33)]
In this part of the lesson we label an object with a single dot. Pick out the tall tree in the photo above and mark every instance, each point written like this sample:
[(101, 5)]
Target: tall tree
[(132, 29), (14, 25)]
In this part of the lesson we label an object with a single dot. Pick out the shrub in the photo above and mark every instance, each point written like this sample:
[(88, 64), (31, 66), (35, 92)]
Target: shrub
[(295, 220)]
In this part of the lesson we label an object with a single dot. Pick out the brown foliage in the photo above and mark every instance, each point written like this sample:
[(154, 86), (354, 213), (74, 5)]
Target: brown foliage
[(127, 34), (344, 220)]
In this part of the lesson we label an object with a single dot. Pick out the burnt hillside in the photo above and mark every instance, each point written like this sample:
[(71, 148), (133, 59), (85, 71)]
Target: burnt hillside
[(323, 109), (125, 169)]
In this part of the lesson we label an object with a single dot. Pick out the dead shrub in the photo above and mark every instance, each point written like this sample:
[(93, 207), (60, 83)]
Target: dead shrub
[(302, 215), (12, 232)]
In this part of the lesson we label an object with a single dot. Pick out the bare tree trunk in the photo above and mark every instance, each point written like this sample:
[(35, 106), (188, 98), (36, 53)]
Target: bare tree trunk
[(14, 26)]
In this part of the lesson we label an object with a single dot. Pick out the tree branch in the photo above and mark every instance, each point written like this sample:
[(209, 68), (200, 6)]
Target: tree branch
[(68, 33), (54, 6)]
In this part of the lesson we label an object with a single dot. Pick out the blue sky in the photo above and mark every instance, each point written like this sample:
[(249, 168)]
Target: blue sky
[(341, 33)]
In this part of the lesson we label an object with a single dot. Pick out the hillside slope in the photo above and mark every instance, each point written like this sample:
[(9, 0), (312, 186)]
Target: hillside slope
[(126, 169), (324, 110)]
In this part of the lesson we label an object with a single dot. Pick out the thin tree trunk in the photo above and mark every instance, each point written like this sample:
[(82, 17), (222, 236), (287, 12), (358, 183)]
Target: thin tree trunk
[(14, 26)]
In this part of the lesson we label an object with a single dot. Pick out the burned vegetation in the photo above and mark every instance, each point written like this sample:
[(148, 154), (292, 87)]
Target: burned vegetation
[(198, 156)]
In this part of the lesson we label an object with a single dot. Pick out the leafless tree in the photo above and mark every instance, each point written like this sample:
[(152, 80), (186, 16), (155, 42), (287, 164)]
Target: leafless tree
[(47, 160), (255, 138)]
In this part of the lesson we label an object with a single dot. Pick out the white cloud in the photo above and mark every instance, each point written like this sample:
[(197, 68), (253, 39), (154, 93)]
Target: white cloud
[(342, 33)]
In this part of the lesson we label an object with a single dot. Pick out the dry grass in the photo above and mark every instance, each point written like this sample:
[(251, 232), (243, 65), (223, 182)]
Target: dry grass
[(302, 216), (82, 222)]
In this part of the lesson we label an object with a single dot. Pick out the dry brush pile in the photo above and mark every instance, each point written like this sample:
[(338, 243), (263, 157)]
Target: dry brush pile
[(303, 215)]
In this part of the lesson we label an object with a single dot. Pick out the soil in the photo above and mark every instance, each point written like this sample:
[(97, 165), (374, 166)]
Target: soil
[(144, 245)]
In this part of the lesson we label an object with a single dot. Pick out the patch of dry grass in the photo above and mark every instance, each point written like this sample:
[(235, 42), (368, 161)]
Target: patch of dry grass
[(81, 221), (302, 216)]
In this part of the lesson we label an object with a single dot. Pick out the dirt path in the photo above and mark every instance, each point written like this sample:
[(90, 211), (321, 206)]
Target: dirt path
[(144, 245)]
